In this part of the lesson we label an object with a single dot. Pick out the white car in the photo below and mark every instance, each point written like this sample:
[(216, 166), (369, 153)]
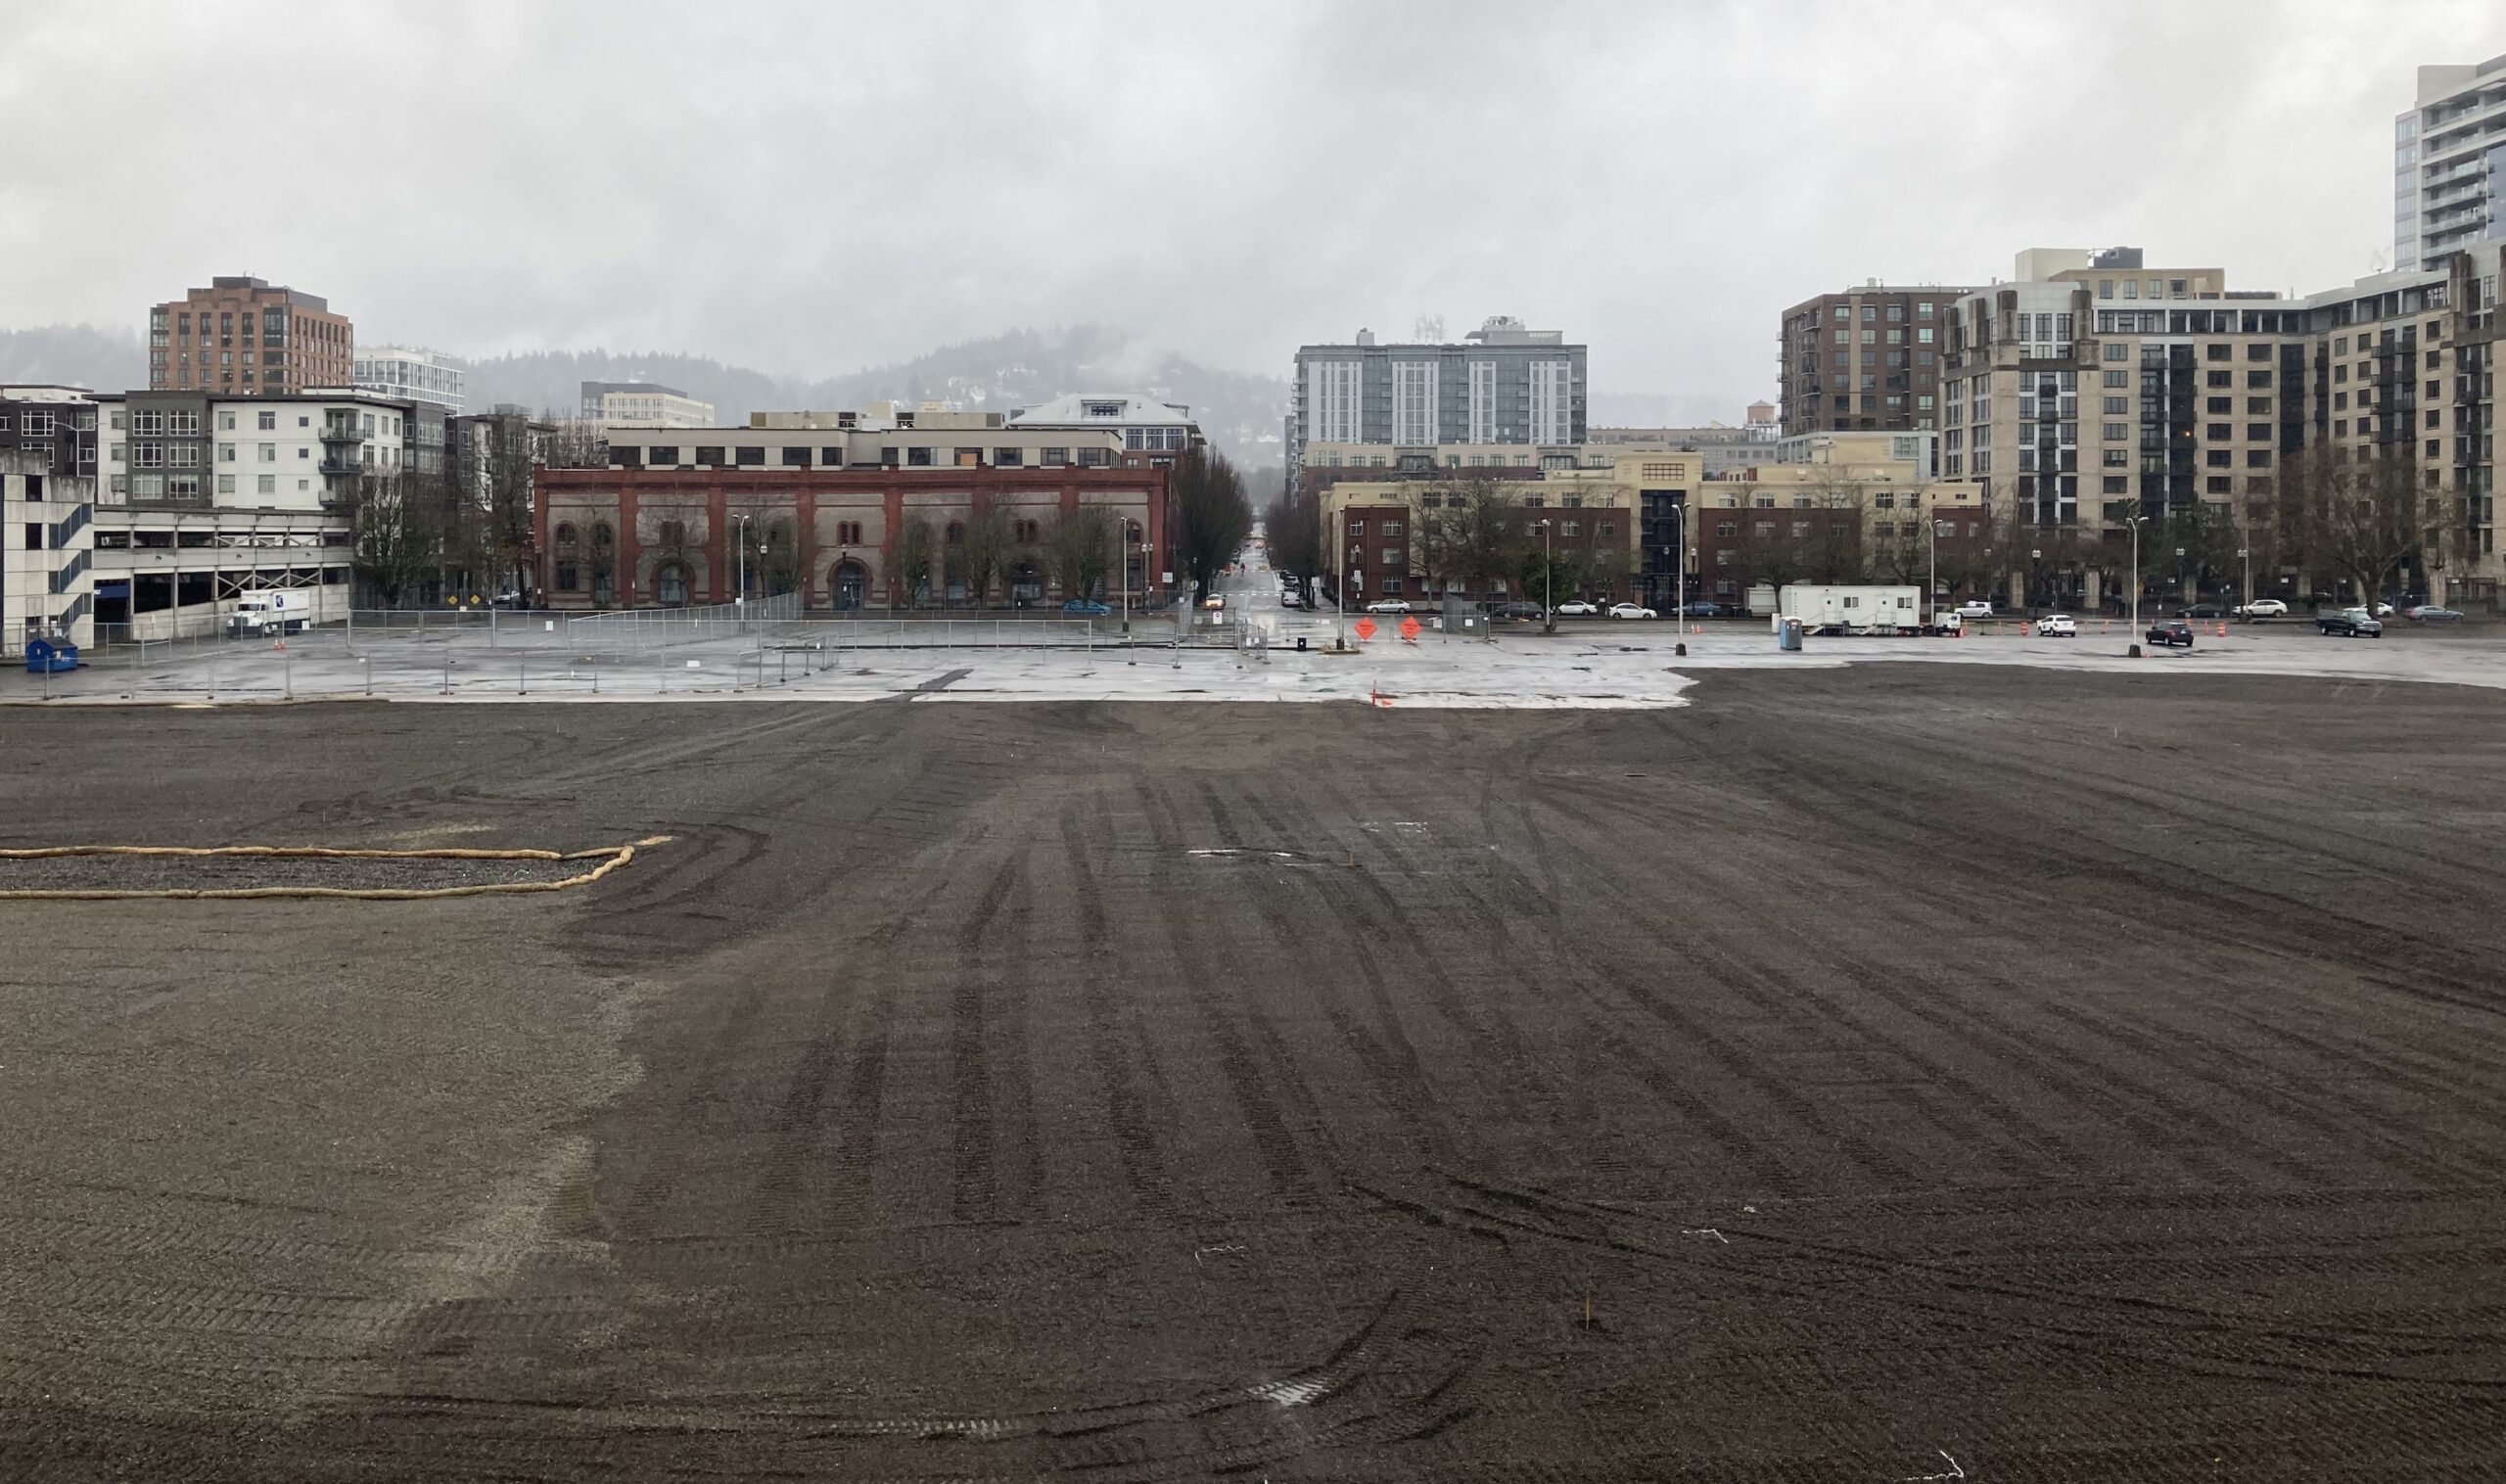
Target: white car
[(1388, 605), (2057, 626), (2384, 610), (1577, 608), (2265, 608), (1632, 610), (1975, 608)]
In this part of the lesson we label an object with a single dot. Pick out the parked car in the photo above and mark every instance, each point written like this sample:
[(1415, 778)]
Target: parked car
[(1529, 613), (2351, 624), (2430, 613), (2057, 626), (1975, 608), (1632, 610), (2174, 633), (1578, 608), (1706, 608), (1389, 605), (2265, 608), (1086, 608), (2206, 611), (2384, 610)]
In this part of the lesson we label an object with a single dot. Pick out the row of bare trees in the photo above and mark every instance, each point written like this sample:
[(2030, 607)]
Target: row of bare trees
[(1478, 539)]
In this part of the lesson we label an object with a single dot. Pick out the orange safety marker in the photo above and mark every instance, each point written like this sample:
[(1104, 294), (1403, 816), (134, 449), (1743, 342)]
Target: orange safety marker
[(281, 644), (1409, 630), (1365, 629), (2223, 629)]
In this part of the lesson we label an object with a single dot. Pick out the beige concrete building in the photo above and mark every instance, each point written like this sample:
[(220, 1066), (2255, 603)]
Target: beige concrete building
[(2108, 390), (643, 404)]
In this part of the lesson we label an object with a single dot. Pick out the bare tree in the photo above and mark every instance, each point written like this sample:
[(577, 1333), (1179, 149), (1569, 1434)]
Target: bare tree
[(1082, 549), (1294, 531), (1831, 549), (990, 546), (575, 442), (909, 561), (1477, 540), (1213, 512), (399, 534), (2362, 520)]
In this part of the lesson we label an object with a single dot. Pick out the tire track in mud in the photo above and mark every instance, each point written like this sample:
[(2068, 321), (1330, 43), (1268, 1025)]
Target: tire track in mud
[(1112, 1051)]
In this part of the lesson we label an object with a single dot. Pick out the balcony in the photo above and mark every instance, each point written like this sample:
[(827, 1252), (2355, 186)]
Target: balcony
[(342, 432), (336, 467)]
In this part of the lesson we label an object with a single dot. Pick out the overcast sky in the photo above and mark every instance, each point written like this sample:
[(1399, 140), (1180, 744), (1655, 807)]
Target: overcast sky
[(810, 188)]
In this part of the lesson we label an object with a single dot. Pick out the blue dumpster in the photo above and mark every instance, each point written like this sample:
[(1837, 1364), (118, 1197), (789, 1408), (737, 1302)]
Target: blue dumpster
[(1787, 633), (50, 657)]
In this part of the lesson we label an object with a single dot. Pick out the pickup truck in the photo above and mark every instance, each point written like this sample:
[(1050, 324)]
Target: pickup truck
[(2351, 624)]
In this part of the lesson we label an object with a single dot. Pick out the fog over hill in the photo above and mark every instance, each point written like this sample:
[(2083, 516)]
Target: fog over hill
[(1240, 411)]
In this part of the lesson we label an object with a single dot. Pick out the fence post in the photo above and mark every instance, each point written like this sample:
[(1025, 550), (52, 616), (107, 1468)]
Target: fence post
[(287, 674), (448, 674), (521, 671)]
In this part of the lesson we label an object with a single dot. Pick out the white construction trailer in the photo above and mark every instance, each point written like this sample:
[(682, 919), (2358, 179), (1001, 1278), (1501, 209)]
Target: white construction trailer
[(1854, 610)]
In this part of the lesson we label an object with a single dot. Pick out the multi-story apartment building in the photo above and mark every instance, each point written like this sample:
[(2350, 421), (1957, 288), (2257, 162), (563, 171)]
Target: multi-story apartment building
[(2449, 163), (204, 496), (2098, 393), (414, 376), (242, 337), (1867, 359), (494, 457), (1503, 386), (647, 404), (46, 545), (57, 423)]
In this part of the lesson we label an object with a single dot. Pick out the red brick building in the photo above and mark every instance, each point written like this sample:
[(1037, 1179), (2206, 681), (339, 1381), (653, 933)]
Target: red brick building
[(630, 538)]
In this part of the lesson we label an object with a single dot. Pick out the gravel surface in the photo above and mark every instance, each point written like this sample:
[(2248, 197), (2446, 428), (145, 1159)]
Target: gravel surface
[(179, 873), (1866, 1074)]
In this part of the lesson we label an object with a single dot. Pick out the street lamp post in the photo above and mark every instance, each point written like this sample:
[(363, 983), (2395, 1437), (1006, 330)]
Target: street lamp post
[(1548, 582), (1123, 582), (2245, 588), (739, 596), (2183, 594), (2136, 522)]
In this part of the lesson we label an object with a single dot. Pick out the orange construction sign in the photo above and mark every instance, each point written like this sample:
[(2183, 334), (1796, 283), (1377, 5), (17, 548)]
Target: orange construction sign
[(1409, 630), (1364, 630)]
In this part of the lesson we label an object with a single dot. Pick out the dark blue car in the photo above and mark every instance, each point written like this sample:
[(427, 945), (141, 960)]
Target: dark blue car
[(1086, 608)]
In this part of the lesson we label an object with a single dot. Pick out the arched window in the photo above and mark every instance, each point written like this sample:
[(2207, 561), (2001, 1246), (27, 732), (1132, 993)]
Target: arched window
[(957, 534), (569, 578), (604, 562)]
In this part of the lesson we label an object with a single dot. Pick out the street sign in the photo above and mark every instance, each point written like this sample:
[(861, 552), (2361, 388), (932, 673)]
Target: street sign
[(1365, 629), (1409, 630)]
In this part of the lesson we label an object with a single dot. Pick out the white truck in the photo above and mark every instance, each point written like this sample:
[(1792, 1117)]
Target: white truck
[(271, 610), (1824, 609)]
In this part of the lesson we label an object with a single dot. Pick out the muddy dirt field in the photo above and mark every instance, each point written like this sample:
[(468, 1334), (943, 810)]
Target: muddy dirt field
[(1857, 1075)]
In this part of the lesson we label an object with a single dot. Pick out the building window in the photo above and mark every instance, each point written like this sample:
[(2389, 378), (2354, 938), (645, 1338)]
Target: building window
[(796, 458), (710, 454), (1391, 587), (267, 484), (661, 454), (1008, 458), (751, 454), (1054, 458), (848, 533)]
